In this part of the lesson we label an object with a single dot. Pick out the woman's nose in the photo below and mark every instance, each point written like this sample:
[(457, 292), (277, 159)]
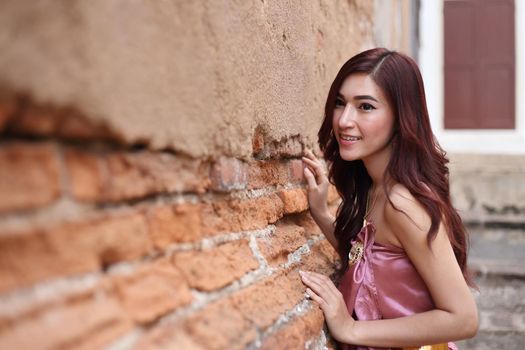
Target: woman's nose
[(347, 119)]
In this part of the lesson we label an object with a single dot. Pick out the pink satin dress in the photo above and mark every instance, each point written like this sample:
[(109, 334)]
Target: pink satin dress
[(383, 284)]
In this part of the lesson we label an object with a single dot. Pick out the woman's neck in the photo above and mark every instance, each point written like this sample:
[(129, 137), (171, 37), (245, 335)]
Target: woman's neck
[(376, 165)]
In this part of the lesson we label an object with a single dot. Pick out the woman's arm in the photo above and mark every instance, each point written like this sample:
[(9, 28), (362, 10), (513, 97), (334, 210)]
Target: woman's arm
[(455, 314), (326, 222), (315, 174)]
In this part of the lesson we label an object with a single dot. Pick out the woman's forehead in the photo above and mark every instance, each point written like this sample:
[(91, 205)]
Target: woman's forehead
[(360, 84)]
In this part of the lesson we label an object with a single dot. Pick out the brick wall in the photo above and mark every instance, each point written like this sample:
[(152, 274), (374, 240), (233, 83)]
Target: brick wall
[(109, 245)]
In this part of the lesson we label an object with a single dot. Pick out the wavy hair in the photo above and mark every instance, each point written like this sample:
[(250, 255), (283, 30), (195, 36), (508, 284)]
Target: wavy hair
[(417, 161)]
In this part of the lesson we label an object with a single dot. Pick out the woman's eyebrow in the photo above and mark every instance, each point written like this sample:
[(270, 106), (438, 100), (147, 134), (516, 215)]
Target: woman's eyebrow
[(359, 97), (365, 97)]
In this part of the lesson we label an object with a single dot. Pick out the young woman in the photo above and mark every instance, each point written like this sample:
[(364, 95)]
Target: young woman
[(402, 244)]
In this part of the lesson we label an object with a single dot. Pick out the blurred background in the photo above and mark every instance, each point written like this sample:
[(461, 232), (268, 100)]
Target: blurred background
[(151, 193)]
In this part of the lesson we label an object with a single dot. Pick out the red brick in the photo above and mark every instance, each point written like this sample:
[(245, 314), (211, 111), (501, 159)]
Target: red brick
[(152, 291), (263, 302), (285, 148), (115, 239), (191, 222), (295, 200), (296, 169), (36, 121), (298, 331), (228, 174), (215, 268), (29, 175), (119, 176), (285, 240), (8, 107), (135, 175), (85, 175), (262, 174), (241, 214), (73, 125), (175, 224), (322, 259), (29, 257), (83, 324), (220, 326), (305, 220), (258, 141), (333, 196), (68, 249), (167, 336)]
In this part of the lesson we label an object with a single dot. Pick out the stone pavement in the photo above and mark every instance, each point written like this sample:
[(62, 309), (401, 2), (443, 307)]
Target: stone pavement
[(498, 256)]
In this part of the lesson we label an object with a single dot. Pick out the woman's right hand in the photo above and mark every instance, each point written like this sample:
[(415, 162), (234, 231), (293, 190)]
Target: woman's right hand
[(315, 174)]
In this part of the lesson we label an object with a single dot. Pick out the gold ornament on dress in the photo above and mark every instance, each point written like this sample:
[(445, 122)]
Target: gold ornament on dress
[(357, 250), (356, 253)]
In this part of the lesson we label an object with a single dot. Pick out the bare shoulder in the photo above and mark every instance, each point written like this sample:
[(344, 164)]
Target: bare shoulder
[(404, 213)]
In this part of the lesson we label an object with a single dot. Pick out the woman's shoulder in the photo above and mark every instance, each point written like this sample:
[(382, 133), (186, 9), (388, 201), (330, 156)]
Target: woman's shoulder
[(403, 210)]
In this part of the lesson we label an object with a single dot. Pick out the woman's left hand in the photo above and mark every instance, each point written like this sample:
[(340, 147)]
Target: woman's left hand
[(323, 291)]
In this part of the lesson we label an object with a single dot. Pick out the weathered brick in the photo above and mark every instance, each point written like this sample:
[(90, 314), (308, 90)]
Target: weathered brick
[(296, 167), (34, 256), (152, 291), (285, 240), (81, 324), (180, 223), (175, 224), (305, 220), (333, 196), (286, 147), (215, 268), (263, 302), (35, 121), (75, 126), (135, 175), (167, 336), (266, 173), (295, 333), (295, 200), (228, 174), (258, 141), (241, 214), (115, 238), (221, 326), (119, 176), (85, 175), (29, 175), (72, 248), (322, 259), (8, 107)]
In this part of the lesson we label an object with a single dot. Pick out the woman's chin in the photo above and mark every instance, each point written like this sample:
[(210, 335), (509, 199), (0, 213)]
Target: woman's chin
[(348, 157)]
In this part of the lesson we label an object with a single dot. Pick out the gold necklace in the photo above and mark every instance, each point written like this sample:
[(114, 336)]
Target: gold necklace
[(357, 250), (368, 209)]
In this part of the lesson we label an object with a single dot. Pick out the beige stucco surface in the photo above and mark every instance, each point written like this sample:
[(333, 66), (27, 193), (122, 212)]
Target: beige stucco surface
[(487, 187), (194, 76)]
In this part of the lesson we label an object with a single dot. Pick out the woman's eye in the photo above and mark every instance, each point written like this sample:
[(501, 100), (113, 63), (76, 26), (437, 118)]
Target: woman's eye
[(339, 102), (366, 107)]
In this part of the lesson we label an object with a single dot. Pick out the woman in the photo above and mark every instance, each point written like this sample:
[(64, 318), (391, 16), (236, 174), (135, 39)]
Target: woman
[(402, 244)]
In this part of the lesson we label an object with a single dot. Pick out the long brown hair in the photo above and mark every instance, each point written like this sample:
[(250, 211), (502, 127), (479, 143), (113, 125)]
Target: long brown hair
[(417, 161)]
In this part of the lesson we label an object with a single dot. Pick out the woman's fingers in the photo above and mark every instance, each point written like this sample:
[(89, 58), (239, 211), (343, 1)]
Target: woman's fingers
[(315, 297), (310, 178), (317, 168), (320, 285)]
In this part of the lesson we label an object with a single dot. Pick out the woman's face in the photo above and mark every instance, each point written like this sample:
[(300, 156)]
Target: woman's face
[(363, 120)]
